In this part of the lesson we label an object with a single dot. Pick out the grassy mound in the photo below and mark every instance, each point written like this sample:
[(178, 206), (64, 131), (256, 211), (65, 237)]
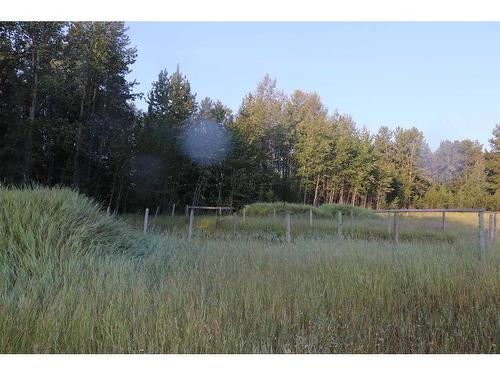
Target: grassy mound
[(325, 211), (37, 223)]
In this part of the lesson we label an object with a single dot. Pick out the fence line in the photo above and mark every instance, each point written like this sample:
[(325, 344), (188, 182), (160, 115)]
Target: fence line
[(393, 227), (430, 210), (443, 211)]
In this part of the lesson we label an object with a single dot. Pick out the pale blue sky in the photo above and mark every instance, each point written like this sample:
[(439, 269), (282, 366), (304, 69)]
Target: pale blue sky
[(443, 78)]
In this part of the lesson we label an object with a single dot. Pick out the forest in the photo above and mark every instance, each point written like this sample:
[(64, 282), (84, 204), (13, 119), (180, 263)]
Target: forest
[(68, 118)]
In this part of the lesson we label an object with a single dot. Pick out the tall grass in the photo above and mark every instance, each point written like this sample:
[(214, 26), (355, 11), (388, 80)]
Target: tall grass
[(215, 295)]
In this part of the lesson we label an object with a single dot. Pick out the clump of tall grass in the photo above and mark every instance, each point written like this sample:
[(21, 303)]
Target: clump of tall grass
[(40, 223)]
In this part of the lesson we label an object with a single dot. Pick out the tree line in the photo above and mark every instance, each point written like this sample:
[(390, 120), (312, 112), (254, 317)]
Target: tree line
[(67, 117)]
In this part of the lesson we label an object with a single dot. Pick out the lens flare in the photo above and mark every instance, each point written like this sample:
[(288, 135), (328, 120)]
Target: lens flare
[(205, 141)]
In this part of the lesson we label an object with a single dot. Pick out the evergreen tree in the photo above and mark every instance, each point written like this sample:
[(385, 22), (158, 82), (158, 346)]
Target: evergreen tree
[(493, 163)]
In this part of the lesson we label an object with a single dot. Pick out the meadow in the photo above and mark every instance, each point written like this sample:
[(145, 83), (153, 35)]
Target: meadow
[(73, 280)]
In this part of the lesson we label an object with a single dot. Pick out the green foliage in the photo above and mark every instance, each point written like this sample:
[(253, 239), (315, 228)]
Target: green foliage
[(67, 117), (493, 163)]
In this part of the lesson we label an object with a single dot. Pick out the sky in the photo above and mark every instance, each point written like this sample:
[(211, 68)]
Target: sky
[(443, 78)]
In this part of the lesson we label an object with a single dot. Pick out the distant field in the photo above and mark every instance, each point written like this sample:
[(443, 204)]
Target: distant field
[(75, 281)]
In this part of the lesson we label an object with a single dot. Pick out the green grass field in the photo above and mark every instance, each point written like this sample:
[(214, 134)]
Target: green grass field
[(75, 281)]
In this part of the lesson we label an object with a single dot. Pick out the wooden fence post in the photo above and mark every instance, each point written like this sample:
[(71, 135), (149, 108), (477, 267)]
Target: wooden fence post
[(311, 218), (443, 221), (494, 224), (190, 229), (187, 210), (146, 217), (288, 228), (234, 225), (491, 228), (108, 211), (244, 213), (482, 242), (173, 210), (339, 224), (396, 228)]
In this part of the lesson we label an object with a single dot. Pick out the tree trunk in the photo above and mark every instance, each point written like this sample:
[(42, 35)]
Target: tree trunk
[(315, 200), (331, 197), (299, 190), (28, 152), (110, 201), (76, 166), (126, 199), (94, 92), (219, 197), (119, 198), (326, 189), (232, 187)]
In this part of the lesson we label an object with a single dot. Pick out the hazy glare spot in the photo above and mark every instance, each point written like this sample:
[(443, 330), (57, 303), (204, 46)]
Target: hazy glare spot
[(205, 142)]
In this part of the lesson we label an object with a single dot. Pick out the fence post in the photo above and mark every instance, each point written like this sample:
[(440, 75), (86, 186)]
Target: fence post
[(146, 217), (396, 228), (494, 224), (234, 225), (274, 213), (173, 210), (244, 213), (288, 228), (443, 221), (339, 224), (491, 228), (187, 210), (482, 242), (108, 211), (190, 230), (310, 218)]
